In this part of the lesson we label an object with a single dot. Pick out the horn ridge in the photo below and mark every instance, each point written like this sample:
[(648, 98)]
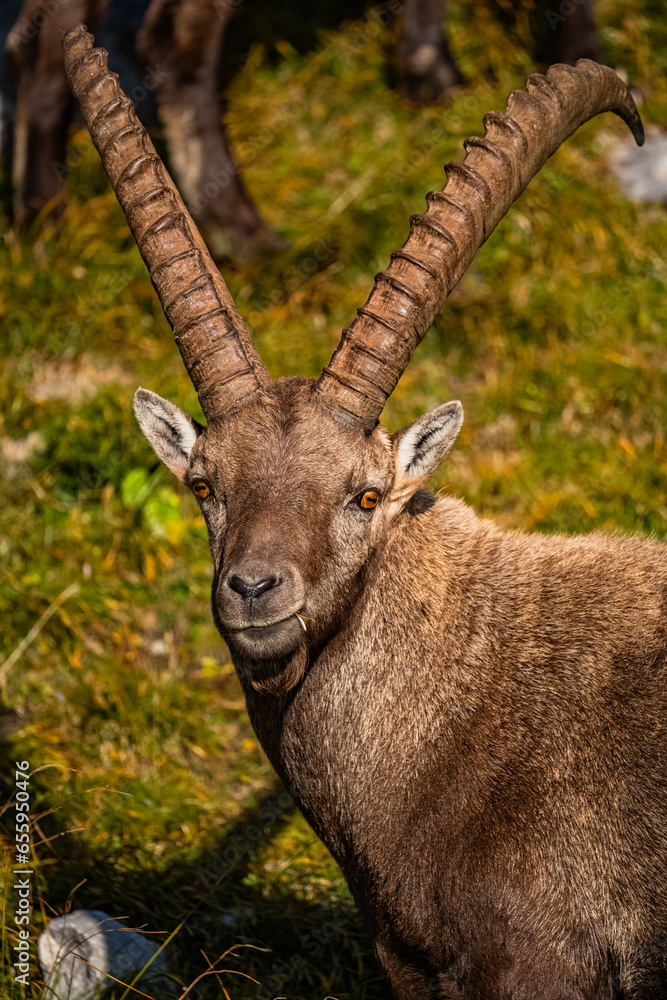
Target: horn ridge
[(214, 342), (444, 240)]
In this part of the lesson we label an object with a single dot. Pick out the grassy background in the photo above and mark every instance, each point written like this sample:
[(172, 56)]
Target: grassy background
[(151, 797)]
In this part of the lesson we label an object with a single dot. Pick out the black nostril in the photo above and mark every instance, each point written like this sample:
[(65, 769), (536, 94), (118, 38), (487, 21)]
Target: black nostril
[(252, 590)]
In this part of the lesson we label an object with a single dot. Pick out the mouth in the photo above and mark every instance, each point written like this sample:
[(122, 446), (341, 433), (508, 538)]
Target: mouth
[(262, 626), (267, 639)]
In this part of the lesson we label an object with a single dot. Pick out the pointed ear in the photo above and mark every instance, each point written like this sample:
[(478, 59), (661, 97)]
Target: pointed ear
[(170, 431), (423, 445)]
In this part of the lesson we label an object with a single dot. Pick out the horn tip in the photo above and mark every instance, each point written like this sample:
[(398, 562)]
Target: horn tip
[(626, 109), (76, 35)]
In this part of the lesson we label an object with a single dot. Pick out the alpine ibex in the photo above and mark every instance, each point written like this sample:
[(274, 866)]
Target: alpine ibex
[(182, 45), (474, 722)]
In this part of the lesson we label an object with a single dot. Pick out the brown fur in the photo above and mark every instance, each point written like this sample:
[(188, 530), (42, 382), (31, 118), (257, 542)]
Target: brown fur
[(275, 677), (473, 722), (480, 734)]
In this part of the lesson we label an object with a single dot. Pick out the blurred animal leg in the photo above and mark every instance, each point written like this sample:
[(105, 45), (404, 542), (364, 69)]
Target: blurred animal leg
[(44, 103), (424, 57), (183, 40)]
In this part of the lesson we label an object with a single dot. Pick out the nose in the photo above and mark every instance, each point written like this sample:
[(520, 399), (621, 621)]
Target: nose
[(250, 589)]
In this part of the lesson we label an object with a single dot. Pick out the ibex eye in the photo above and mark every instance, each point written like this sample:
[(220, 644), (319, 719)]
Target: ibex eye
[(201, 489), (368, 499)]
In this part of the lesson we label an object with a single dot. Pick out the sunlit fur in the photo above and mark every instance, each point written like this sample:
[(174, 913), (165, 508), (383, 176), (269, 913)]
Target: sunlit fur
[(474, 722), (284, 474)]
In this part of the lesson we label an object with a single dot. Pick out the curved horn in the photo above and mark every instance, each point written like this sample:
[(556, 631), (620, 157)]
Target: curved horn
[(375, 350), (215, 345)]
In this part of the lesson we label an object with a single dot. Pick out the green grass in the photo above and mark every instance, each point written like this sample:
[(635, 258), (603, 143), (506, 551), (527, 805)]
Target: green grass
[(147, 801)]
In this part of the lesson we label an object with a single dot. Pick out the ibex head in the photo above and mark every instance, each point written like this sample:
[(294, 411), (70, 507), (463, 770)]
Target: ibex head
[(298, 482), (296, 499)]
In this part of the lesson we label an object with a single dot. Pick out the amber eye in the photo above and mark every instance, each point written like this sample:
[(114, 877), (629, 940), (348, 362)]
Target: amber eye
[(200, 489), (368, 499)]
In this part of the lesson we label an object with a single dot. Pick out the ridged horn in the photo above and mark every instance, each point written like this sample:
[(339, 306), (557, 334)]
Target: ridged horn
[(214, 342), (375, 350)]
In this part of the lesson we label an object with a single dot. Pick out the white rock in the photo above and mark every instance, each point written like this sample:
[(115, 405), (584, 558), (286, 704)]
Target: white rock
[(642, 171), (101, 941)]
